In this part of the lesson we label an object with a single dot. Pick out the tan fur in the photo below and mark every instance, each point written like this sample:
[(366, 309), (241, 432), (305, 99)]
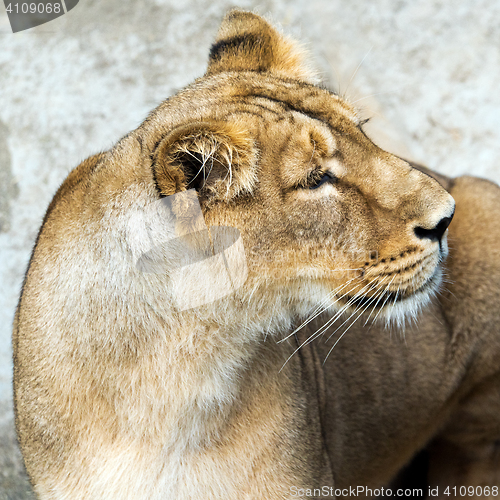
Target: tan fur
[(120, 394), (438, 388)]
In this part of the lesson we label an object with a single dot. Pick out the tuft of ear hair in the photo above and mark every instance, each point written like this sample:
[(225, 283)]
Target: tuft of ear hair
[(218, 159), (246, 42)]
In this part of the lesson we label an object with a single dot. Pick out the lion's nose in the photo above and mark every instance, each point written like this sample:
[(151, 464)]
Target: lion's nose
[(435, 233)]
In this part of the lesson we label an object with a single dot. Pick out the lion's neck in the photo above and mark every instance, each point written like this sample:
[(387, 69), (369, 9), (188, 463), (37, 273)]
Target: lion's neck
[(188, 366), (189, 379)]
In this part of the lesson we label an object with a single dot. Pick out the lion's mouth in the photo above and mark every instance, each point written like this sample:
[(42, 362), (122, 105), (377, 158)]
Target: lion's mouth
[(389, 298), (376, 301)]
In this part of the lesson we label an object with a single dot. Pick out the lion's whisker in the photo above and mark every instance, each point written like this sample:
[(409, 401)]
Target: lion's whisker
[(356, 71), (322, 307), (379, 294), (362, 311), (324, 327), (385, 301), (380, 93), (369, 302)]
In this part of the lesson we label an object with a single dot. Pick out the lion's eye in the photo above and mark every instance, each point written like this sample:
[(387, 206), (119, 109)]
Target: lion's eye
[(318, 180)]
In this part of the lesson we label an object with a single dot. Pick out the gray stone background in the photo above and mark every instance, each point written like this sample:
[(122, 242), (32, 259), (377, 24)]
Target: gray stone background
[(427, 71)]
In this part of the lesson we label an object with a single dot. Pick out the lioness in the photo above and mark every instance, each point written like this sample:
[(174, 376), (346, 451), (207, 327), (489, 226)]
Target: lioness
[(125, 391)]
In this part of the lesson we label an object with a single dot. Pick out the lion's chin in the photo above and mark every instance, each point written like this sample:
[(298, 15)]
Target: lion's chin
[(409, 306), (395, 307)]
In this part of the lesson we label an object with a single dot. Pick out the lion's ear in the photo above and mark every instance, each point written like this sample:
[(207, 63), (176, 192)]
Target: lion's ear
[(218, 159), (246, 42)]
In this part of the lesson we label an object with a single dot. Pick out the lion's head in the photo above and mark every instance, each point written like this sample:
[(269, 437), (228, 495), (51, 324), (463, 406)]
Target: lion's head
[(324, 213)]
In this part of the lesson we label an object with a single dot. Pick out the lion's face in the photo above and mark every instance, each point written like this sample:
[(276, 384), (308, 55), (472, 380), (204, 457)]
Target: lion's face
[(322, 210)]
